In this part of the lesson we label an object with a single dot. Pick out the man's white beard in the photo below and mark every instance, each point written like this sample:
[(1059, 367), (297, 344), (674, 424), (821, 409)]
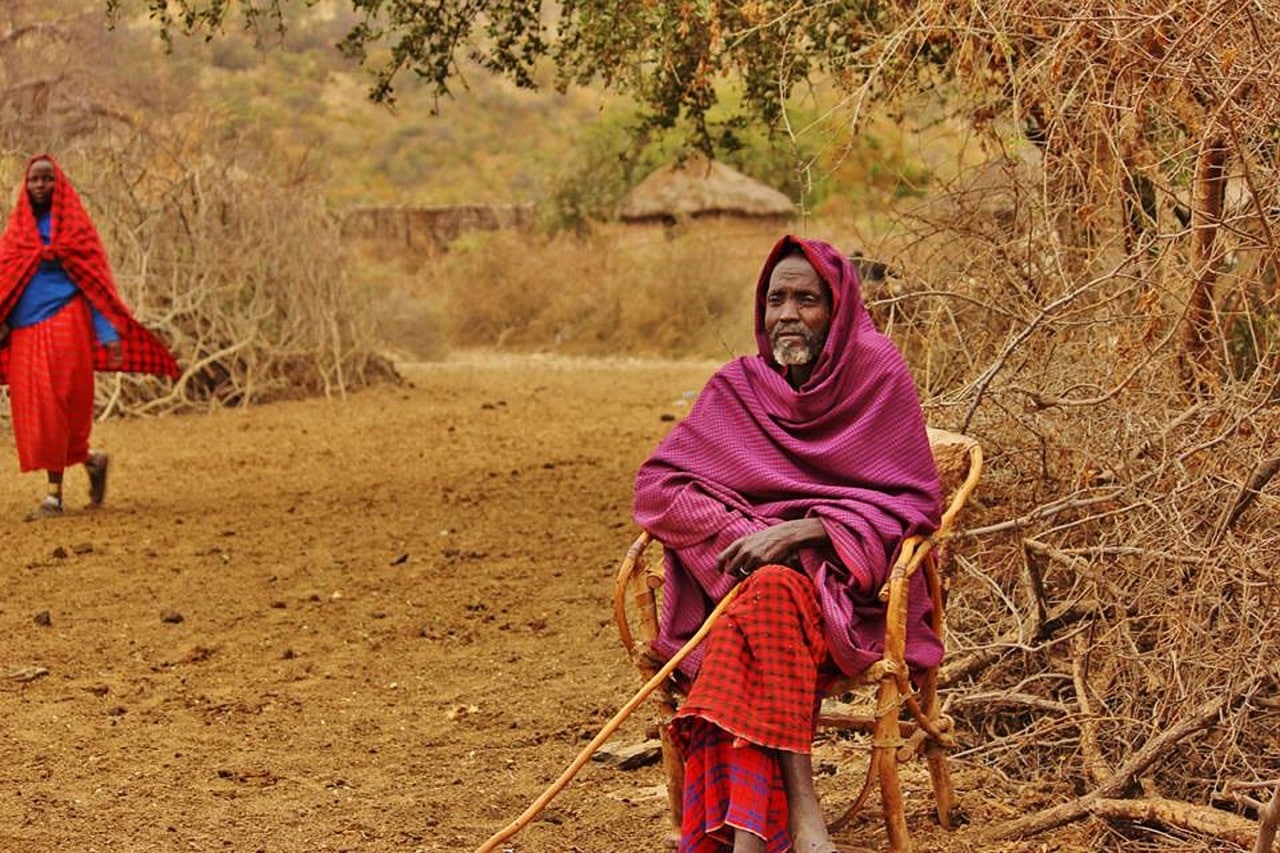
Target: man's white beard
[(793, 354)]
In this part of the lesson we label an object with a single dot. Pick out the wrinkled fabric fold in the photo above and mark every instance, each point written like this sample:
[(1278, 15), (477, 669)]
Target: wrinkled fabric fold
[(51, 389), (762, 668), (759, 691), (730, 786), (848, 447)]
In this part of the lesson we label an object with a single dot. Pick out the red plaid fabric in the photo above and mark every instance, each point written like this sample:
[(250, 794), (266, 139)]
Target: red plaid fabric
[(75, 244), (763, 664), (763, 674), (51, 389), (730, 784)]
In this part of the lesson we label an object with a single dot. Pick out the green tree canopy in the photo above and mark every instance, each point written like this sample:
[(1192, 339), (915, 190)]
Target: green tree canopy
[(669, 54)]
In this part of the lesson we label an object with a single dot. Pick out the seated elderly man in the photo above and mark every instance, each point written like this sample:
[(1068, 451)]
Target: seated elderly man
[(798, 474)]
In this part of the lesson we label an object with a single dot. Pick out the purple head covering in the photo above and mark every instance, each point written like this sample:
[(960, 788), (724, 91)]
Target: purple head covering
[(848, 447)]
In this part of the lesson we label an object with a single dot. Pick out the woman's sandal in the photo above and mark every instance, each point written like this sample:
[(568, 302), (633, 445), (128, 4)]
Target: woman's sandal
[(96, 465), (50, 507)]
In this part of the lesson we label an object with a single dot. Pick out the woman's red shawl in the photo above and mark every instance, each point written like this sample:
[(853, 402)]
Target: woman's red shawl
[(75, 244), (848, 447)]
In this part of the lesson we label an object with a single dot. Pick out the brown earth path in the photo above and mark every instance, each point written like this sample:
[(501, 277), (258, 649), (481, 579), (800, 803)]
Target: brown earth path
[(394, 625)]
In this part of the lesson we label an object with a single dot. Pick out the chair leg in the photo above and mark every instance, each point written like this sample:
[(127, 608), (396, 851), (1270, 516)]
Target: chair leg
[(673, 764), (888, 737), (943, 792)]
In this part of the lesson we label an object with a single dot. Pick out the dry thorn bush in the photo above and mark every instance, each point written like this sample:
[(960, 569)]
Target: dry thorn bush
[(241, 268), (1098, 306)]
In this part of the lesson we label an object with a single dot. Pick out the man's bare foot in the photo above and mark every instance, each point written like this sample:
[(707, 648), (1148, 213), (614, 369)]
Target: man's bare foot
[(808, 828)]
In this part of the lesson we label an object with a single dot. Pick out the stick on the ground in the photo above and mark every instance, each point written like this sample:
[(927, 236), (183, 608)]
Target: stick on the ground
[(1268, 818), (1203, 717), (585, 755), (1175, 813)]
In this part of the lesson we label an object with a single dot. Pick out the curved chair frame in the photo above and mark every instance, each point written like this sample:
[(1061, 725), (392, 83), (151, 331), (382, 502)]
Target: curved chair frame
[(906, 721)]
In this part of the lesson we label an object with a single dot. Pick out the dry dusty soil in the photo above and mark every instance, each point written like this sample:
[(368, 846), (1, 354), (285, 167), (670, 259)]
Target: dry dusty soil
[(378, 623)]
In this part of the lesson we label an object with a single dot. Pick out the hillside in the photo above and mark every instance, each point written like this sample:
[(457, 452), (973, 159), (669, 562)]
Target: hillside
[(492, 143), (489, 143)]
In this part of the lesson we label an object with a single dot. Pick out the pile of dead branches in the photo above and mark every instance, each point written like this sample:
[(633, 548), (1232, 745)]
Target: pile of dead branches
[(1098, 305), (242, 270)]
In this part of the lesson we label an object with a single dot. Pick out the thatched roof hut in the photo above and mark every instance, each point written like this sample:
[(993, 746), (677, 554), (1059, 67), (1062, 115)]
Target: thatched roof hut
[(702, 187)]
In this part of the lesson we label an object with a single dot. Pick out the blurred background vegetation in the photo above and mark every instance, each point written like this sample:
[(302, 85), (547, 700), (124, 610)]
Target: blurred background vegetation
[(285, 109), (492, 143)]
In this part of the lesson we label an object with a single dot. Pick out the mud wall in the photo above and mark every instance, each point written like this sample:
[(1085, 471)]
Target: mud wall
[(430, 229)]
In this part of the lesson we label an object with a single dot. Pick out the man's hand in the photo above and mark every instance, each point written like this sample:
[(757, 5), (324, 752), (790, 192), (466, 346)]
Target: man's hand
[(774, 544), (4, 333)]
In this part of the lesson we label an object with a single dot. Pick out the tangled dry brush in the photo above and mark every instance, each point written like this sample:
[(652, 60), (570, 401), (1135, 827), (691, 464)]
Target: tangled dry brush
[(242, 269), (1100, 308)]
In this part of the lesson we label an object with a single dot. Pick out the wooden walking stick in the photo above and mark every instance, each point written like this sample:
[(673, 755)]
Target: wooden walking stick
[(605, 733)]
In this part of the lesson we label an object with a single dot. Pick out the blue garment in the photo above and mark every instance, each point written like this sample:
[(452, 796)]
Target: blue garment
[(49, 290)]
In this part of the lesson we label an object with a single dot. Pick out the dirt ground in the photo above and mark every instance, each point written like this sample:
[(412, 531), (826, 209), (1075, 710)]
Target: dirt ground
[(379, 623)]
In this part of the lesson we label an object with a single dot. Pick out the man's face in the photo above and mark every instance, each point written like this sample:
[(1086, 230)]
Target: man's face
[(40, 179), (797, 312)]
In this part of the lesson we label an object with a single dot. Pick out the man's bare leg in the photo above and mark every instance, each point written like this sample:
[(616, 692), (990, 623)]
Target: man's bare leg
[(807, 826), (747, 842)]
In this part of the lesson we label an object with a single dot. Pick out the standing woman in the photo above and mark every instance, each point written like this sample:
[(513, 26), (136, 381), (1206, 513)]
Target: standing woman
[(60, 319)]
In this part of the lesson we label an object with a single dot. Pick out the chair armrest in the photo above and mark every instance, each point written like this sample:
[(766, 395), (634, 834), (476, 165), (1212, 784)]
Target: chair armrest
[(628, 573)]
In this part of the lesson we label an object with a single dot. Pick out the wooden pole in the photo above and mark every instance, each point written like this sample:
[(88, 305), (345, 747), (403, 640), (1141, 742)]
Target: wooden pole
[(888, 734)]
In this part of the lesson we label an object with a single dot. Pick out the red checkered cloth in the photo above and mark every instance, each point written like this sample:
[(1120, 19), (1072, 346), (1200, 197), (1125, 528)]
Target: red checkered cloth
[(730, 784), (51, 389), (765, 669), (763, 663), (76, 245)]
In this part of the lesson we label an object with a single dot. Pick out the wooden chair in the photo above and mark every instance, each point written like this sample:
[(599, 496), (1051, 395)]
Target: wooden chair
[(906, 720)]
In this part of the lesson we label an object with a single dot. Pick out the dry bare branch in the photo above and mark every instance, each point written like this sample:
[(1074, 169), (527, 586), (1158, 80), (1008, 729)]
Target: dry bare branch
[(1268, 819), (1201, 820), (1151, 752)]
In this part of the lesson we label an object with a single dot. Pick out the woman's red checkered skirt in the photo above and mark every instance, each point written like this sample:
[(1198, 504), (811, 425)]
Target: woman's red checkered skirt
[(51, 389)]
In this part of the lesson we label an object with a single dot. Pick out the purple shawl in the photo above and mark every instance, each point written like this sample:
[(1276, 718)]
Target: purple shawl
[(848, 447)]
